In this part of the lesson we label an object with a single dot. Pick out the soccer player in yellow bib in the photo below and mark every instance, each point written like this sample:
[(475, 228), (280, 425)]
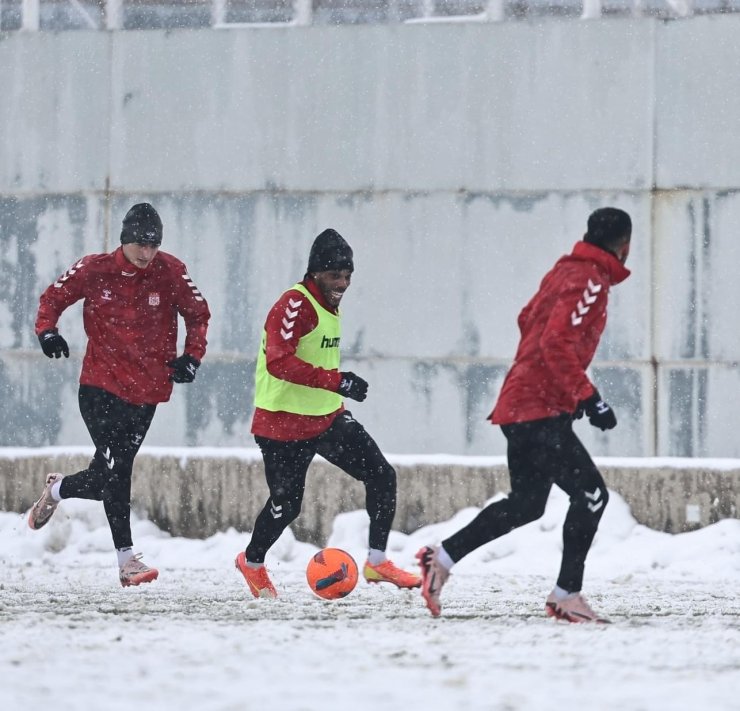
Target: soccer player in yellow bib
[(299, 412)]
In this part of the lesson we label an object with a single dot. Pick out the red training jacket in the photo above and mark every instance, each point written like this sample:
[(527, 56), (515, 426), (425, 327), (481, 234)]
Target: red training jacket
[(283, 363), (560, 330), (130, 318)]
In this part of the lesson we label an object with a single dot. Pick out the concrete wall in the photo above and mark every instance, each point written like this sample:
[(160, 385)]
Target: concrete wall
[(199, 493), (459, 160)]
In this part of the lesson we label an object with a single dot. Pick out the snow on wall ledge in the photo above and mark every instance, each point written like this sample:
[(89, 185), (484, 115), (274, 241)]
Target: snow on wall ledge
[(196, 492)]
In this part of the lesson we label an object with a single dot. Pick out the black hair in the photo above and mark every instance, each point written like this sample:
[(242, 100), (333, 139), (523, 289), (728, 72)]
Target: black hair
[(608, 228)]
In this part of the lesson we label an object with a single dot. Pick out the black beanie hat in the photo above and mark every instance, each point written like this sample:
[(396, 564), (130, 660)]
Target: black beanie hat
[(142, 225), (330, 252)]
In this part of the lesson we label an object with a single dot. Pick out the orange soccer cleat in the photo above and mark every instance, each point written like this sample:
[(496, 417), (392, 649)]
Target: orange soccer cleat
[(387, 572), (257, 579)]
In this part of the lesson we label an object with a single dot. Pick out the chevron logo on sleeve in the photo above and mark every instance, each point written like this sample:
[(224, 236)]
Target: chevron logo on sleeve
[(59, 283), (291, 312), (590, 294), (193, 288)]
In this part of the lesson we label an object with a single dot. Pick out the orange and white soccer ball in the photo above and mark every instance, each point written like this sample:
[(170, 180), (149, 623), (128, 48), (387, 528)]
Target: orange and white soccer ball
[(332, 573)]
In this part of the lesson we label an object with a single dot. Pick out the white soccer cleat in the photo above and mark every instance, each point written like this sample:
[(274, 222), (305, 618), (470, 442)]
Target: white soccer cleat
[(433, 576), (572, 608), (135, 572), (45, 507)]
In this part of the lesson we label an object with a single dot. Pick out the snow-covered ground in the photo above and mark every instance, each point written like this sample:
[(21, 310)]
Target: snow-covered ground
[(72, 638)]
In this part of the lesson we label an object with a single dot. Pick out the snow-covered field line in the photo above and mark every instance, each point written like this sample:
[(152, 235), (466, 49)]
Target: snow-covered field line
[(194, 641), (73, 639)]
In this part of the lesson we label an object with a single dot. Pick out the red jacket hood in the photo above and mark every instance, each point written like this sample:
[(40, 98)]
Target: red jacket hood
[(615, 269)]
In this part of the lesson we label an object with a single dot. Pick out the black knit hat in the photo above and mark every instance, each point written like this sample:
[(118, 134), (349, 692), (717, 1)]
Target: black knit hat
[(330, 252), (142, 225)]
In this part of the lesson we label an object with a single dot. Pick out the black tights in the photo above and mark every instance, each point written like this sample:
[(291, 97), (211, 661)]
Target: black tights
[(542, 453), (117, 429), (348, 446)]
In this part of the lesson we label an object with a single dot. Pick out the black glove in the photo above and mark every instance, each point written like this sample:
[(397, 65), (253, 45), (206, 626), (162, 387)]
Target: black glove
[(598, 412), (352, 386), (184, 368), (53, 344)]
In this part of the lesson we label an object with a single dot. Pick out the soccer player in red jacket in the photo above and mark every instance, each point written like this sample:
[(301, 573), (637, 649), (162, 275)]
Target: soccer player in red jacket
[(544, 391), (131, 301)]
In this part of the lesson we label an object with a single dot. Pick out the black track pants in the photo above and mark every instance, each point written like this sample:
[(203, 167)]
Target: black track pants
[(542, 453), (117, 429), (348, 446)]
